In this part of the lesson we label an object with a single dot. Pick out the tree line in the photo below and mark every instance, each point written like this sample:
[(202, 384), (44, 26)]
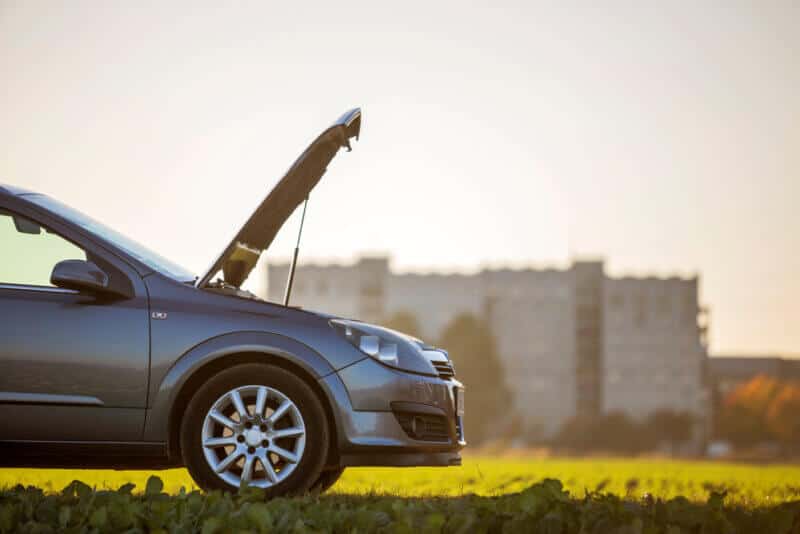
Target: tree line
[(761, 410)]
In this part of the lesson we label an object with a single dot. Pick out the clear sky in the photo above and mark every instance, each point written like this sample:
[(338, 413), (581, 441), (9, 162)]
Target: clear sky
[(663, 136)]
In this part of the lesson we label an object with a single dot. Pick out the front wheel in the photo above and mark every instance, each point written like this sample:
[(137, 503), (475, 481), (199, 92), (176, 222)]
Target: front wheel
[(327, 479), (256, 425)]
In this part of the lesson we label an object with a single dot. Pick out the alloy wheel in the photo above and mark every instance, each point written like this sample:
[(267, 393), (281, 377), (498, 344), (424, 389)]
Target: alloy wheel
[(253, 435)]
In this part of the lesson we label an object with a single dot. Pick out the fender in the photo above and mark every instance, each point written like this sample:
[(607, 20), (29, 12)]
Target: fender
[(271, 345)]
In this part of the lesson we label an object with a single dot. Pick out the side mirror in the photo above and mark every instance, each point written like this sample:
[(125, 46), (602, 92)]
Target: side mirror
[(79, 275)]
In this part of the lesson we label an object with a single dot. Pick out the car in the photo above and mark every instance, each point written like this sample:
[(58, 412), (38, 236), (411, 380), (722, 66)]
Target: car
[(112, 356)]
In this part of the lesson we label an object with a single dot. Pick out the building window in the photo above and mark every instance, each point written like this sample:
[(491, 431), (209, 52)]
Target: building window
[(371, 290), (640, 314), (664, 306), (617, 301), (322, 287)]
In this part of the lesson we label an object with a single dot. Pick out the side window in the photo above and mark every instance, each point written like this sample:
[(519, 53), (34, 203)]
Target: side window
[(29, 251)]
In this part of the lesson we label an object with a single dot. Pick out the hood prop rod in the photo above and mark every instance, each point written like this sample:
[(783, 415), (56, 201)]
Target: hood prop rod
[(290, 280)]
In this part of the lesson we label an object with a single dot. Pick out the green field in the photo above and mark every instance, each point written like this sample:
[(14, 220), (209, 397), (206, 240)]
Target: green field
[(485, 494), (746, 484)]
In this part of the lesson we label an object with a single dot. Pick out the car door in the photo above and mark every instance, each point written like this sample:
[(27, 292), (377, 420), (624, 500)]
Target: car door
[(73, 366)]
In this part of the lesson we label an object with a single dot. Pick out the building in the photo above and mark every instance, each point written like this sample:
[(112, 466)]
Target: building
[(654, 350), (572, 341)]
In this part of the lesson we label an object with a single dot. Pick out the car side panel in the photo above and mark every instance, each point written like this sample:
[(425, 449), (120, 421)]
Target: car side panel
[(76, 364), (75, 424), (72, 344)]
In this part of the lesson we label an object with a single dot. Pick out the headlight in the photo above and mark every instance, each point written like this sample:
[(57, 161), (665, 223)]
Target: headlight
[(371, 342)]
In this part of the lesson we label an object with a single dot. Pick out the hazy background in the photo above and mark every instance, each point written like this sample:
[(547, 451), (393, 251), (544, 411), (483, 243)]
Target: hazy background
[(665, 138)]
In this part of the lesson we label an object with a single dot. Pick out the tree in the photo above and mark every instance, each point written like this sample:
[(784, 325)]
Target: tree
[(783, 416), (405, 322), (576, 434), (611, 432), (756, 395), (474, 353), (617, 432), (670, 426), (743, 416)]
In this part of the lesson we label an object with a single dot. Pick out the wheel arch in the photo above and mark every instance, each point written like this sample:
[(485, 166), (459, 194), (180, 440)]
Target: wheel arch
[(200, 363)]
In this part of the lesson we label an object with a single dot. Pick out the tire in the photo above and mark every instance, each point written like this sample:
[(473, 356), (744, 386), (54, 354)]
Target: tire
[(327, 479), (255, 438)]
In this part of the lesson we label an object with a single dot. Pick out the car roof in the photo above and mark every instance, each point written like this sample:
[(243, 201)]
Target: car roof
[(13, 191)]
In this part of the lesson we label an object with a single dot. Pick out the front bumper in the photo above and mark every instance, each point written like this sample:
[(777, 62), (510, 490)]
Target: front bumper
[(394, 418), (399, 459)]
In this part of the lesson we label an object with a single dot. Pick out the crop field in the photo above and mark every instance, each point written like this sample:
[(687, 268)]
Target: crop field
[(485, 494)]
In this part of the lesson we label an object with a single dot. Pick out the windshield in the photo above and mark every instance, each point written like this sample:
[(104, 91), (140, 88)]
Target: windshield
[(144, 255)]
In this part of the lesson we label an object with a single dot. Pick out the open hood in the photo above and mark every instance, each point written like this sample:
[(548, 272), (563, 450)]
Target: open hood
[(242, 253)]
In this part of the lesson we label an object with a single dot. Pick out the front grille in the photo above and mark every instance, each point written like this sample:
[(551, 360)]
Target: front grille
[(445, 369), (424, 427)]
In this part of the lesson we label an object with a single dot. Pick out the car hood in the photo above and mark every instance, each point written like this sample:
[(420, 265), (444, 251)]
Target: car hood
[(242, 253)]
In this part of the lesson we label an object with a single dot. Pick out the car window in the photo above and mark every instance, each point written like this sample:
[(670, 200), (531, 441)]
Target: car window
[(144, 255), (29, 251)]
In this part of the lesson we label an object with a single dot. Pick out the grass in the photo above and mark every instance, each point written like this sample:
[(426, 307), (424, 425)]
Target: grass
[(608, 496), (748, 485)]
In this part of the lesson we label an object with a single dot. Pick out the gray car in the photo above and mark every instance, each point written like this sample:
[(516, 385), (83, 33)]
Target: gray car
[(112, 356)]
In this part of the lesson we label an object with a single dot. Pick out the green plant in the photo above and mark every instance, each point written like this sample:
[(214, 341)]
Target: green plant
[(541, 507)]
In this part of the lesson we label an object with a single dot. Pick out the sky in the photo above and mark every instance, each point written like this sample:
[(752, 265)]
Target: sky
[(661, 136)]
